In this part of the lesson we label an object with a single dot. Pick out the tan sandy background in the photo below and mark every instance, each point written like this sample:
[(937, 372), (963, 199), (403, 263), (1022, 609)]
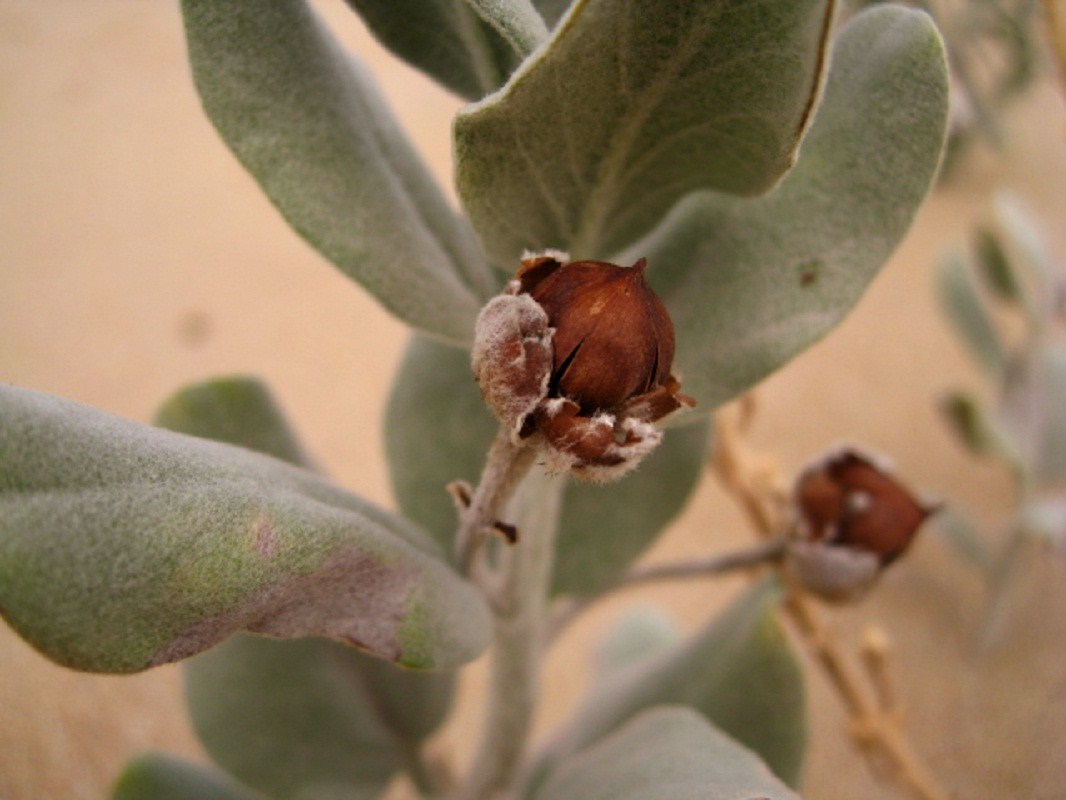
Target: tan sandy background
[(135, 256)]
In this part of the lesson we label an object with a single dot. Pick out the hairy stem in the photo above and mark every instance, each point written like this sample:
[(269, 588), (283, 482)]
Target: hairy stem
[(523, 578), (505, 466)]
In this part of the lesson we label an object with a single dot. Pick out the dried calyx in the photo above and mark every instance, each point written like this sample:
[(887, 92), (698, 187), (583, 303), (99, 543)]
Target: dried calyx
[(852, 519), (579, 354)]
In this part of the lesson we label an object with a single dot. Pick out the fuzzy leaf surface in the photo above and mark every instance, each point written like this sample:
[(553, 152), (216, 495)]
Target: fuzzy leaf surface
[(155, 776), (243, 688), (633, 104), (552, 10), (123, 547), (310, 718), (737, 671), (517, 21), (446, 39), (236, 409), (752, 283), (968, 310), (667, 753), (438, 429), (306, 121)]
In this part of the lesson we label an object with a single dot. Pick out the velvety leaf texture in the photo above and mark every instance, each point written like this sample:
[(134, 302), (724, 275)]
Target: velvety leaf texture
[(123, 546), (737, 671), (243, 690), (438, 429), (446, 39), (517, 21), (552, 10), (633, 104), (667, 754), (751, 283), (310, 718), (155, 776), (236, 410), (306, 121)]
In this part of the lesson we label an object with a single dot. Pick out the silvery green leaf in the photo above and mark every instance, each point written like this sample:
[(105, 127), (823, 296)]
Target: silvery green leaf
[(306, 121), (752, 283), (665, 753), (969, 312), (1028, 256), (124, 546), (155, 776), (1034, 412), (604, 529), (738, 671), (236, 409), (438, 429), (552, 10), (446, 39), (631, 106), (310, 718), (245, 689), (517, 21), (979, 428), (995, 267), (641, 633)]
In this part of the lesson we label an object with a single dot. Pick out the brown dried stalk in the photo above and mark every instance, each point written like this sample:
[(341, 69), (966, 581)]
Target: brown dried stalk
[(1055, 18), (875, 717)]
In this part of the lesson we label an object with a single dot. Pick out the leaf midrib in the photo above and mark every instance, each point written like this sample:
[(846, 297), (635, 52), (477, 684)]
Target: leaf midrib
[(602, 198)]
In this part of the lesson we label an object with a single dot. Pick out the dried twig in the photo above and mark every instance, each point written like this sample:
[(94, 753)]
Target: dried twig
[(876, 719), (1056, 27), (761, 554)]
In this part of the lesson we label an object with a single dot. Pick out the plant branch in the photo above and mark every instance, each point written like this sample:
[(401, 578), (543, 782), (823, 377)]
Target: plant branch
[(875, 725), (523, 577), (479, 511), (753, 482), (759, 555), (517, 21), (1056, 26)]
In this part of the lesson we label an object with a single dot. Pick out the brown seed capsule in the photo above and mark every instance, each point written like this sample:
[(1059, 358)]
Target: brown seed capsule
[(608, 343), (853, 519), (613, 337)]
